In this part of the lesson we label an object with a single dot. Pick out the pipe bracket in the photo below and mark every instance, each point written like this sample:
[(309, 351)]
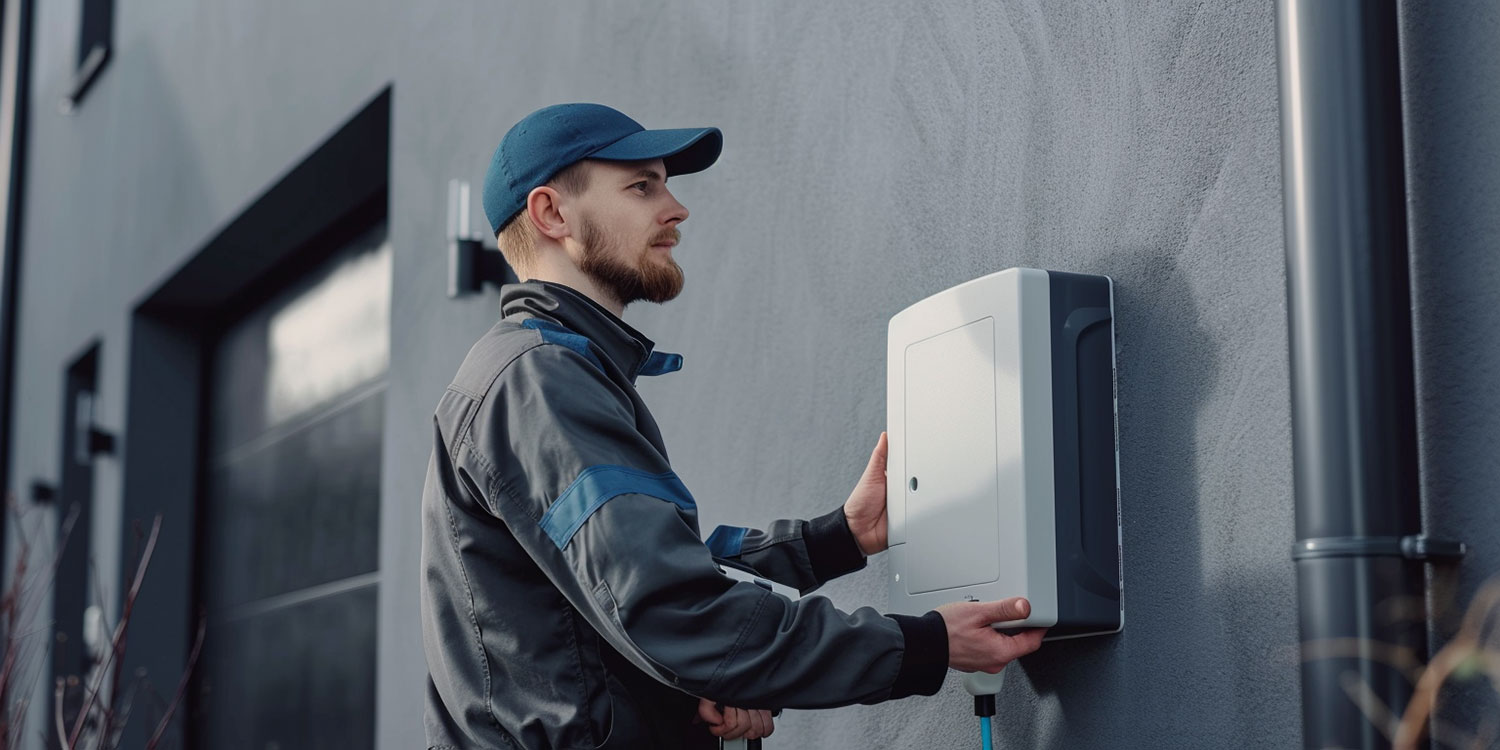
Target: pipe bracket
[(1437, 550), (1415, 547)]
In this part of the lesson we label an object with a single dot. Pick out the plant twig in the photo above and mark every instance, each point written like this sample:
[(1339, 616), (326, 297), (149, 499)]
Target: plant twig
[(1464, 646), (15, 603), (182, 684), (17, 606), (57, 711), (1370, 704), (1403, 659), (105, 626), (117, 643), (21, 707), (123, 712), (43, 585), (12, 642)]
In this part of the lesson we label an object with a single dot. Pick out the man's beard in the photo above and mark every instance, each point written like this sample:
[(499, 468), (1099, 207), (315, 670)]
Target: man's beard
[(607, 262)]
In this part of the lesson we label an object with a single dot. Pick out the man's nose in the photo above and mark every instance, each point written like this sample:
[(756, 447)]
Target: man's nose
[(676, 213)]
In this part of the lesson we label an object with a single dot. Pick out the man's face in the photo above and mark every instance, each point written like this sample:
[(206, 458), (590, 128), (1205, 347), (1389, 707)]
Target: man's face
[(627, 226)]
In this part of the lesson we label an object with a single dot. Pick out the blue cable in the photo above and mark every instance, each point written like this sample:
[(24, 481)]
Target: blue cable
[(984, 733)]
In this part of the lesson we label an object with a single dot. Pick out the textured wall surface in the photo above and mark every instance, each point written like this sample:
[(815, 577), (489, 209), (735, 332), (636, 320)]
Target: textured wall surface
[(1450, 65), (875, 153)]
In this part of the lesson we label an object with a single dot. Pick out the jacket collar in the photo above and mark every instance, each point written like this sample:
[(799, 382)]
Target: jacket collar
[(626, 347)]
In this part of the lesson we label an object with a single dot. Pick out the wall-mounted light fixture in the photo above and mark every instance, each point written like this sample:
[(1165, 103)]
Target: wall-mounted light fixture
[(470, 263), (88, 440), (42, 492)]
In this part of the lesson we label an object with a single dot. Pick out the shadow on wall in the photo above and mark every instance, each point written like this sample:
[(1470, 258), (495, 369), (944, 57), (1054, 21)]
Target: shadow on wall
[(1176, 629)]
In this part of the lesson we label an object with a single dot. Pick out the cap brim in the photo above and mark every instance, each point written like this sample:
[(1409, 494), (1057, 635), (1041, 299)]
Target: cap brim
[(684, 150)]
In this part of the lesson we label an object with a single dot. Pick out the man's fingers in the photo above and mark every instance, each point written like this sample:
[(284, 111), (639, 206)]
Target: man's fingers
[(760, 725), (736, 722), (726, 724), (973, 645), (1032, 637), (709, 713), (1013, 647)]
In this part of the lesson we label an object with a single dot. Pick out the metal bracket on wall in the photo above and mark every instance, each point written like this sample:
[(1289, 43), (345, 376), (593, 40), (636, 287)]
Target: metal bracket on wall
[(1415, 547), (101, 442), (89, 441), (470, 263), (42, 493)]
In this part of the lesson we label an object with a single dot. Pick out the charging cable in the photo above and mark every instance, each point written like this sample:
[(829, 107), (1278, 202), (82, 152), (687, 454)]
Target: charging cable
[(983, 686)]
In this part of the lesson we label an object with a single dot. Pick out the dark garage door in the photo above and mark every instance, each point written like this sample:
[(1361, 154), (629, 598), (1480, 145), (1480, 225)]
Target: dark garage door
[(289, 536)]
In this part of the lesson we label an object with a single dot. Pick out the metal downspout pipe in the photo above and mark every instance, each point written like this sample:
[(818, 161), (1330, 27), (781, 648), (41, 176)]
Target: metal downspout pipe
[(15, 95), (1359, 549)]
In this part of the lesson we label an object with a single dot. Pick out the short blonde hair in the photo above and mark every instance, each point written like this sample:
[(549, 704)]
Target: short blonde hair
[(517, 239)]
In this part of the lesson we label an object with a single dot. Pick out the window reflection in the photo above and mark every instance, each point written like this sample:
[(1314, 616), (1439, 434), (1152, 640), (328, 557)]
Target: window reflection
[(333, 337)]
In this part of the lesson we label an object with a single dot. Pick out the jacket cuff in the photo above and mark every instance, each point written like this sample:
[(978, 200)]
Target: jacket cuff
[(831, 548), (925, 662)]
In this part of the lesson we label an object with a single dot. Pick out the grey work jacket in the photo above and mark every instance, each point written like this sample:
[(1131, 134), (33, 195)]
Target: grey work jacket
[(568, 600)]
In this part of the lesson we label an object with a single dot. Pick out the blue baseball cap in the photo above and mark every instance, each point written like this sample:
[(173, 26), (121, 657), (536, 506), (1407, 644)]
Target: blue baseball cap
[(551, 139)]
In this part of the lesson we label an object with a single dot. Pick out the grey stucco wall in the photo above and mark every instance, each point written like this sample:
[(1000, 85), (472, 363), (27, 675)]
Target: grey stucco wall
[(875, 153), (1450, 63)]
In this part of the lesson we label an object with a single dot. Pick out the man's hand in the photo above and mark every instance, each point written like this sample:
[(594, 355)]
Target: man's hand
[(974, 646), (734, 723), (865, 508)]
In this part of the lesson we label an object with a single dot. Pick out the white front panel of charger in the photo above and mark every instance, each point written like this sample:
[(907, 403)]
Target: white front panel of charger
[(951, 497), (936, 415)]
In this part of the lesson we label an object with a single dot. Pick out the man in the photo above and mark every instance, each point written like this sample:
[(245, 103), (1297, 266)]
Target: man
[(567, 597)]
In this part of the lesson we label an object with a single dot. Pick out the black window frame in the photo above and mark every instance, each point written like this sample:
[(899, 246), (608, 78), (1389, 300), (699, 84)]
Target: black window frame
[(167, 372), (96, 30)]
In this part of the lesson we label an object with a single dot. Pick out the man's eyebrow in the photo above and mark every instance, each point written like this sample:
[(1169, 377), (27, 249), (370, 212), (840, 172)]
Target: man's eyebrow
[(649, 174)]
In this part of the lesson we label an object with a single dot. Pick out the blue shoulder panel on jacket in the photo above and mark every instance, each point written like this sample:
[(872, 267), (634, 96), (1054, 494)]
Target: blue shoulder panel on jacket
[(553, 333), (596, 486), (726, 541), (661, 363)]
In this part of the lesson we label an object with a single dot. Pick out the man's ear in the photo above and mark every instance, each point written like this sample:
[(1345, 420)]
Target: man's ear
[(544, 207)]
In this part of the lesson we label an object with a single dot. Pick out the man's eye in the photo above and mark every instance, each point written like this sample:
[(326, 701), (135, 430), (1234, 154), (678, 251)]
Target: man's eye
[(641, 185)]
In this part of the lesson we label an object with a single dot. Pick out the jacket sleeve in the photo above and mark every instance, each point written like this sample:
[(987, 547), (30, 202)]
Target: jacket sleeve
[(800, 554), (600, 511)]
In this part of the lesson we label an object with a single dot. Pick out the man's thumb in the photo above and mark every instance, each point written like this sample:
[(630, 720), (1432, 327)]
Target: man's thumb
[(877, 456), (709, 712), (1005, 610)]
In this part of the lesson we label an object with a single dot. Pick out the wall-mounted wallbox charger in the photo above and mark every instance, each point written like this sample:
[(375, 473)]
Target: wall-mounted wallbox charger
[(1003, 471)]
